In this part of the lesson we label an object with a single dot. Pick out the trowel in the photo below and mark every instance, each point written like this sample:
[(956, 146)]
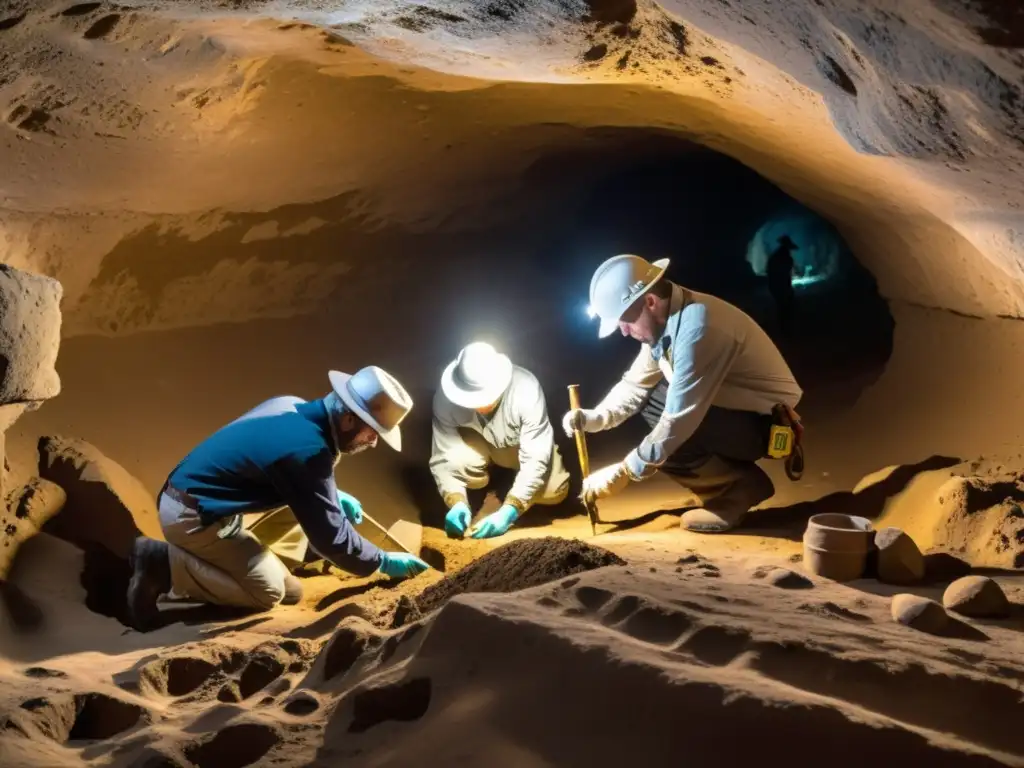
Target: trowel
[(407, 535)]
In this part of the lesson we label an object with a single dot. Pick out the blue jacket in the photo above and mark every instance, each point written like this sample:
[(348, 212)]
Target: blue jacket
[(281, 453)]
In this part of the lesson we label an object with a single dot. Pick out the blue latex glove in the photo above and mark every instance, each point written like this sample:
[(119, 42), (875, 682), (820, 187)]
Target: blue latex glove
[(457, 520), (351, 507), (401, 565), (496, 523)]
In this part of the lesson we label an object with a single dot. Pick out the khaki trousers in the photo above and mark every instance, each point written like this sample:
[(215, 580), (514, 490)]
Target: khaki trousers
[(282, 534), (471, 460), (715, 468), (222, 563)]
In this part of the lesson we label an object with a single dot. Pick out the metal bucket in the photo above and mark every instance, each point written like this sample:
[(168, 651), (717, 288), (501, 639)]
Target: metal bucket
[(837, 546)]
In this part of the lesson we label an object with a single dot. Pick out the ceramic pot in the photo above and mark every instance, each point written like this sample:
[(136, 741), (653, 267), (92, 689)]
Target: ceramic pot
[(837, 546)]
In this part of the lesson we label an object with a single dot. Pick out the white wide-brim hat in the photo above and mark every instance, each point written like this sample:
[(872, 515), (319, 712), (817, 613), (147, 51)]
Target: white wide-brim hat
[(477, 377), (376, 397), (618, 284)]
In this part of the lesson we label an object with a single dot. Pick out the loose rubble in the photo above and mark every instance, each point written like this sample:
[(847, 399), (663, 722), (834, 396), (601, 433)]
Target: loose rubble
[(899, 559)]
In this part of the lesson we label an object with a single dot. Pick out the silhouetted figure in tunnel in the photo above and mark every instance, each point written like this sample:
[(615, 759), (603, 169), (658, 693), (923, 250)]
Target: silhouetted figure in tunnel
[(780, 282)]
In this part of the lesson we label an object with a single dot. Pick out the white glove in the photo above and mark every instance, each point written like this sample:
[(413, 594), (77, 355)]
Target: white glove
[(605, 482), (581, 418)]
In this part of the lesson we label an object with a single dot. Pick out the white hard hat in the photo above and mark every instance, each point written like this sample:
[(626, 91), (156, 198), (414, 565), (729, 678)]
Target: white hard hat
[(618, 283), (477, 377)]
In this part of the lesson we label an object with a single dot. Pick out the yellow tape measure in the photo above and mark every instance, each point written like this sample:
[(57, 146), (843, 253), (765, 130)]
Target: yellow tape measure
[(780, 441)]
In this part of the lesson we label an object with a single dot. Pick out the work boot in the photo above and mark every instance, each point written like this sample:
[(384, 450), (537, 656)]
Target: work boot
[(724, 511), (292, 590), (151, 577)]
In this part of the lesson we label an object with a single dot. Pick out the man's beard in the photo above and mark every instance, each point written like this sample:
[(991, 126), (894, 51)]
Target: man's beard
[(348, 444)]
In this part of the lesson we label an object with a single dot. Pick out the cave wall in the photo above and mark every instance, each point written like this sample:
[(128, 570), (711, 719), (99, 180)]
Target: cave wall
[(253, 168), (298, 174)]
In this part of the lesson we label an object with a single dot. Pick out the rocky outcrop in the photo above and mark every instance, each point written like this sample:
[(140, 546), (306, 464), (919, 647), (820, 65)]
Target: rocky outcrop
[(29, 336), (29, 339), (27, 510), (106, 505), (981, 519)]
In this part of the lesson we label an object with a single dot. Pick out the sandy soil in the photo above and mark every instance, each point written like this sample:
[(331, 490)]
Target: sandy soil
[(689, 639)]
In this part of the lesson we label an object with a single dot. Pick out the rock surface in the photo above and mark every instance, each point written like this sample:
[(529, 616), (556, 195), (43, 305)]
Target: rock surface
[(27, 509), (976, 596), (899, 559), (105, 506), (29, 336), (30, 320), (919, 613)]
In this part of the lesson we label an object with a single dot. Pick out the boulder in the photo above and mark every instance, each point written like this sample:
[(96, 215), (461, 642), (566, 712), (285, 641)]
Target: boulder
[(27, 510), (977, 596), (919, 613), (105, 506), (29, 336), (899, 561), (29, 339)]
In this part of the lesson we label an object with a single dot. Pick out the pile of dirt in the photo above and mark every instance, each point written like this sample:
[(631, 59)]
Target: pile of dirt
[(982, 520), (517, 565)]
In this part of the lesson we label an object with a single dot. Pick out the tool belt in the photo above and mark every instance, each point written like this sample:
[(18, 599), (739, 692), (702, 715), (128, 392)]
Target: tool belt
[(186, 500), (785, 440), (190, 502)]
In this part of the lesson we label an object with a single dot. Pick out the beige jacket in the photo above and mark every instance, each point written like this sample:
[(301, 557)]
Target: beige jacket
[(520, 421), (711, 353)]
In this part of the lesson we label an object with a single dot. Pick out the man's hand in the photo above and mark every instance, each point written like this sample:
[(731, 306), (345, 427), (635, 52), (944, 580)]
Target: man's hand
[(351, 507), (580, 418), (401, 565), (496, 523), (457, 520), (605, 482)]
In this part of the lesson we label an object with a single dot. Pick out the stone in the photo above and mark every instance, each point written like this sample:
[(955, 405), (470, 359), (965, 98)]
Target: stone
[(787, 579), (919, 613), (105, 506), (977, 596), (899, 559), (29, 336), (26, 511), (29, 339)]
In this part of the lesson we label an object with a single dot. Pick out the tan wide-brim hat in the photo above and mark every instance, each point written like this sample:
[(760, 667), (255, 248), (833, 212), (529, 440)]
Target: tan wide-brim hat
[(477, 377), (376, 397)]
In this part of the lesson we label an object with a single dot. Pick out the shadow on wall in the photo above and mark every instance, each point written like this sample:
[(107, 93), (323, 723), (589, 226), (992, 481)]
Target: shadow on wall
[(870, 502)]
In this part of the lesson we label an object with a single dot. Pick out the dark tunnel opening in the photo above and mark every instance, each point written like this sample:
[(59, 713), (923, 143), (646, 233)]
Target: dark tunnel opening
[(719, 221)]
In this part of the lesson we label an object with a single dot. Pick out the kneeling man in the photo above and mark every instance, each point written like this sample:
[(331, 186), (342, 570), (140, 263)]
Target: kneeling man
[(281, 453), (489, 411), (707, 381)]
